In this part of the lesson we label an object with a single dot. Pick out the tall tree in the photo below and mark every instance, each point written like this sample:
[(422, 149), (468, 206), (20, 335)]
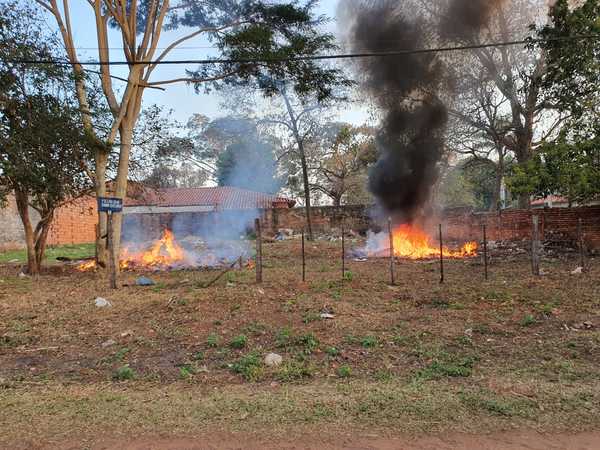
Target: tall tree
[(341, 171), (42, 150), (514, 73), (243, 32)]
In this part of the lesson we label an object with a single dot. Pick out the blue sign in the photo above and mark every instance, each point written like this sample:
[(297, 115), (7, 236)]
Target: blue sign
[(109, 204)]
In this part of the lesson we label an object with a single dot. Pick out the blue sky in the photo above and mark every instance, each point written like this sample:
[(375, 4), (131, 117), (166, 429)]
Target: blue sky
[(180, 98)]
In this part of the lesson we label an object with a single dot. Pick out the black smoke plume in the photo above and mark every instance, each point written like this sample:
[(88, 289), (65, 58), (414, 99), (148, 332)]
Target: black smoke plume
[(407, 90)]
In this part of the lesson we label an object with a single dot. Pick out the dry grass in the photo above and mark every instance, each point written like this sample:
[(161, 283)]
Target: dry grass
[(467, 355)]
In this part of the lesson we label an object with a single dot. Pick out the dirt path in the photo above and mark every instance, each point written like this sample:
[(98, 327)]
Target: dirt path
[(524, 440)]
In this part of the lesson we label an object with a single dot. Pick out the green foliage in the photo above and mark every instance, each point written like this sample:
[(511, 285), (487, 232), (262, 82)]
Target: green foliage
[(249, 366), (274, 33), (573, 72), (294, 370), (332, 351), (212, 340), (124, 373), (440, 368), (239, 342), (369, 342), (570, 166), (528, 320), (309, 342), (344, 371)]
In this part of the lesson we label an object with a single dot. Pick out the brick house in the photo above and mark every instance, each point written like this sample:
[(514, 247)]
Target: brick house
[(196, 211), (146, 210)]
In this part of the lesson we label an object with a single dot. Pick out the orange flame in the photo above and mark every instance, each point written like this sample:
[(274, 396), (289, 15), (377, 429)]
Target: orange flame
[(164, 252), (413, 243)]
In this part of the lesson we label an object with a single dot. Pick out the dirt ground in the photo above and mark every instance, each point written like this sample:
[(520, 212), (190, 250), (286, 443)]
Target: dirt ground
[(416, 365)]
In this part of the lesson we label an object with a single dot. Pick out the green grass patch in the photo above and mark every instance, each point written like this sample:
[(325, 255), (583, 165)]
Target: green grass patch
[(75, 252)]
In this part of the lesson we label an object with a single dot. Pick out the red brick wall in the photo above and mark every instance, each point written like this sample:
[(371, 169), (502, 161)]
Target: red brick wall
[(517, 224), (324, 218), (74, 223)]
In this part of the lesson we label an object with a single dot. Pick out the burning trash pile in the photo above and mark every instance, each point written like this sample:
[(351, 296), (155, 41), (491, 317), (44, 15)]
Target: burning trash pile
[(167, 253), (411, 242)]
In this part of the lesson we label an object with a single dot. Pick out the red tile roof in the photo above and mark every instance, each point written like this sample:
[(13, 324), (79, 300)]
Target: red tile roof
[(550, 198), (221, 198)]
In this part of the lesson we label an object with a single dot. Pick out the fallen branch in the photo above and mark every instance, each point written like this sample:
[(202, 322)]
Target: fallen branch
[(223, 272)]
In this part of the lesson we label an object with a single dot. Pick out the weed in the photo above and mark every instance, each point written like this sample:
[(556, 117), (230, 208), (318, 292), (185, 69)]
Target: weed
[(212, 340), (344, 371), (332, 351), (239, 342), (124, 373), (121, 354), (248, 366), (198, 356), (309, 342), (311, 317), (439, 369), (348, 276), (294, 370), (230, 277), (528, 320), (186, 371), (351, 339), (369, 342), (283, 337)]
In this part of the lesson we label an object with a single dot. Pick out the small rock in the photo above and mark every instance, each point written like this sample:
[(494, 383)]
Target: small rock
[(273, 360), (108, 343), (184, 281), (469, 332), (127, 333), (230, 284), (144, 281), (327, 316), (102, 302), (13, 261), (23, 275), (577, 271), (203, 369), (260, 291)]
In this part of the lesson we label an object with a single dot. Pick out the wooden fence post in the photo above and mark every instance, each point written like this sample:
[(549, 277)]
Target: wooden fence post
[(581, 244), (535, 246), (485, 251), (441, 256), (258, 251), (391, 233), (343, 252), (303, 259)]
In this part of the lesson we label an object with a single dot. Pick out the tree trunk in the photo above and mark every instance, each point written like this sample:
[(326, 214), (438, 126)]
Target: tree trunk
[(101, 159), (126, 135), (22, 201), (337, 200), (306, 190), (41, 236)]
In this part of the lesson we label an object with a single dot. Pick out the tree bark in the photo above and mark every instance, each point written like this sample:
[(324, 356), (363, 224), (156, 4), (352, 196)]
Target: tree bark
[(41, 236), (101, 160), (22, 201)]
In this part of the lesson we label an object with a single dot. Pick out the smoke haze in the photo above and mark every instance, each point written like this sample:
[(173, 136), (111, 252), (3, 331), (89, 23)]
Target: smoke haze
[(407, 89)]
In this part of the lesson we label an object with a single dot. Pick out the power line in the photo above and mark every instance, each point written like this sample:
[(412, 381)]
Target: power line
[(317, 57)]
